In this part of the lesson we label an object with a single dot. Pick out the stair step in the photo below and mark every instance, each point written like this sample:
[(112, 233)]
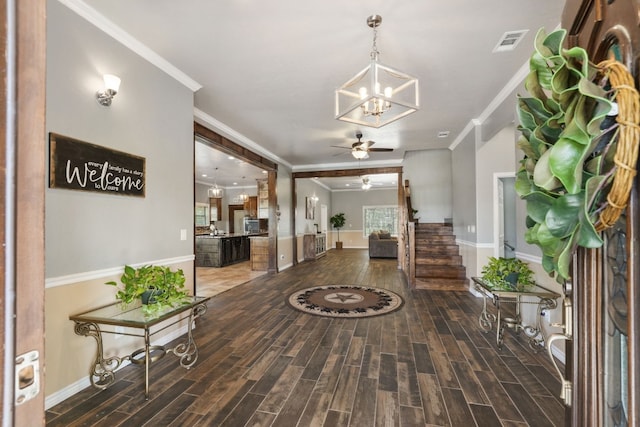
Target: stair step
[(427, 251), (440, 260), (441, 271), (434, 230), (436, 239), (442, 284)]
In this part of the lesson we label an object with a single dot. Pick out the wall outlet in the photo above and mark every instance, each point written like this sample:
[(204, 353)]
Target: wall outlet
[(183, 234)]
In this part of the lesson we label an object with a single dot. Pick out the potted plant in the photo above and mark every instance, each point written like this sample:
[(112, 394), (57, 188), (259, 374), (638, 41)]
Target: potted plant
[(508, 274), (155, 286), (337, 222)]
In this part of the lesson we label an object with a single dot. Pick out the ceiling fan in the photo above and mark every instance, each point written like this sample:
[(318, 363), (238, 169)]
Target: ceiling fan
[(361, 149)]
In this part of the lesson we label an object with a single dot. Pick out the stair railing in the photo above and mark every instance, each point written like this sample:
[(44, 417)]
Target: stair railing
[(409, 238)]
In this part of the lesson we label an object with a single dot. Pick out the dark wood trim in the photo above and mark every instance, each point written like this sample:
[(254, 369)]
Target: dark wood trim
[(6, 336), (337, 173), (30, 44), (273, 222), (232, 209), (227, 146)]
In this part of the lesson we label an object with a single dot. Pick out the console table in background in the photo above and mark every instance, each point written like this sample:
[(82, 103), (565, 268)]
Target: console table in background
[(544, 298), (116, 315), (314, 246)]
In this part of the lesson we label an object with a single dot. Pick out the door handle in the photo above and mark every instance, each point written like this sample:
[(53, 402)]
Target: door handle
[(567, 386)]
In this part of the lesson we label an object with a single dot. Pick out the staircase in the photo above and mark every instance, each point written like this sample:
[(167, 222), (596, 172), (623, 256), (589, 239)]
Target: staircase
[(438, 261)]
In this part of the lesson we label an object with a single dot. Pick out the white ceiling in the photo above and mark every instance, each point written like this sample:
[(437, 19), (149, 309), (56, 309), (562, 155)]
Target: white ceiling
[(268, 69)]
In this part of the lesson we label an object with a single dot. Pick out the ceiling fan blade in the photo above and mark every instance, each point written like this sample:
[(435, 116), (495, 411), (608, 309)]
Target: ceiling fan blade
[(347, 148), (369, 143), (381, 149)]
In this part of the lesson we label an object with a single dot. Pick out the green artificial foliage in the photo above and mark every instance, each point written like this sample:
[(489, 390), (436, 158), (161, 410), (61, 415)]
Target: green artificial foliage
[(337, 221), (568, 163), (497, 272), (166, 286)]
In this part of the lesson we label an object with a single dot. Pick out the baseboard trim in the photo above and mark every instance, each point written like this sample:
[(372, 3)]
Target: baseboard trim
[(68, 391), (70, 279)]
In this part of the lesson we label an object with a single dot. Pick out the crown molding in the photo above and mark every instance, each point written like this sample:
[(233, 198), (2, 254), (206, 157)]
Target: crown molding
[(110, 28)]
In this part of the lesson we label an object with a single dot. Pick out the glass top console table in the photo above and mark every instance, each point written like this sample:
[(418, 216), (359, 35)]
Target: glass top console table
[(133, 316), (544, 298)]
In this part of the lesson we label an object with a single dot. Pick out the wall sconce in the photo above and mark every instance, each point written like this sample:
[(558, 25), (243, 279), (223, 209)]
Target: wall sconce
[(111, 86)]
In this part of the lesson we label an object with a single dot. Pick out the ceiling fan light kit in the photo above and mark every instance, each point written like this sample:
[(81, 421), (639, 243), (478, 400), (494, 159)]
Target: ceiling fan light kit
[(379, 94)]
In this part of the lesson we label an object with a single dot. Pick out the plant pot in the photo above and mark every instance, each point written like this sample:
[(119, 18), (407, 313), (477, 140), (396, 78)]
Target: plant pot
[(512, 279), (149, 297), (338, 245)]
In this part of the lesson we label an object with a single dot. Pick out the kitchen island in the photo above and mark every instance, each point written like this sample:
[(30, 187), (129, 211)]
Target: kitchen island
[(221, 250)]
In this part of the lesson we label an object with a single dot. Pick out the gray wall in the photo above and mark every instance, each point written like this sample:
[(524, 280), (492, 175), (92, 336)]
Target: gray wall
[(463, 160), (87, 231), (307, 188), (496, 156), (430, 180), (351, 202)]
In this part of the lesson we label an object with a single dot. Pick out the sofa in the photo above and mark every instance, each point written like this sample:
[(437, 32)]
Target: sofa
[(382, 245)]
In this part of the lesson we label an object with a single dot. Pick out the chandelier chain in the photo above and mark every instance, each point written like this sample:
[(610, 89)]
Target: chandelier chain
[(374, 47)]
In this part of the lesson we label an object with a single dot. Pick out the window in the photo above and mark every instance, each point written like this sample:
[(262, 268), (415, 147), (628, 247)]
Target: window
[(202, 219), (380, 218)]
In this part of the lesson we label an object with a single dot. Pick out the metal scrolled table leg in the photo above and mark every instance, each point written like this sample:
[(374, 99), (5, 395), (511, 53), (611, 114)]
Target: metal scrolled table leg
[(102, 372), (486, 319), (188, 351)]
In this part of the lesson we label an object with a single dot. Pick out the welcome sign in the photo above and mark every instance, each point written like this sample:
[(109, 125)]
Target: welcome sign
[(79, 165)]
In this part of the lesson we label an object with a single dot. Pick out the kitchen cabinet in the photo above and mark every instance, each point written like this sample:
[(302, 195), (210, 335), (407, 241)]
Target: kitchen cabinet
[(219, 251), (215, 209), (251, 206), (263, 199)]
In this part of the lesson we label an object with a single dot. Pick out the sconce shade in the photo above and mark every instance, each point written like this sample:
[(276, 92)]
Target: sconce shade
[(112, 83), (111, 87)]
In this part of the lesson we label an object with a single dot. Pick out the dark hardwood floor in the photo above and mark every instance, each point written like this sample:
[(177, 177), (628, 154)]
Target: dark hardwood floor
[(263, 364)]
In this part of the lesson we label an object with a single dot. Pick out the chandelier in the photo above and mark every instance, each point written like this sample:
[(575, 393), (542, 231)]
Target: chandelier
[(379, 94), (243, 194), (215, 192)]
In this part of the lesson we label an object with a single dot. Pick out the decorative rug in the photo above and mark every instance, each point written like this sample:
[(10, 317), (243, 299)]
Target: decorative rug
[(345, 301)]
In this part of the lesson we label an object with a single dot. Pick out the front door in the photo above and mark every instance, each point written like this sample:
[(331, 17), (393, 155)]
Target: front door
[(22, 179), (603, 358)]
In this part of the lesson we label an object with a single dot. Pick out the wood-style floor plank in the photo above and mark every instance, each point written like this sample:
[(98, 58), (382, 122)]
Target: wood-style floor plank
[(263, 364)]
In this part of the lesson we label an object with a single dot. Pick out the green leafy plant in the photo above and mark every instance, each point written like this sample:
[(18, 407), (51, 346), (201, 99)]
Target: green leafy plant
[(508, 273), (337, 221), (163, 286), (568, 160)]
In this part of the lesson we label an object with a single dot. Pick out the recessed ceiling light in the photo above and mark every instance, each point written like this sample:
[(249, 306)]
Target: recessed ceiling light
[(265, 172), (443, 134), (235, 183), (230, 157), (204, 175), (347, 185)]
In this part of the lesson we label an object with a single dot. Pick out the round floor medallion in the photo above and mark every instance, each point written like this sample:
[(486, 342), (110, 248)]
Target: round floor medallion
[(345, 301)]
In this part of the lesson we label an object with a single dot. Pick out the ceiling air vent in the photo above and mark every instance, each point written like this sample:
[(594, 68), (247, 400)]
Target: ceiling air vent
[(509, 40)]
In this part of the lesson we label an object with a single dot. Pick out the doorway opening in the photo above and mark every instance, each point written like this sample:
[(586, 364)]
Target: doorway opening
[(504, 215)]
